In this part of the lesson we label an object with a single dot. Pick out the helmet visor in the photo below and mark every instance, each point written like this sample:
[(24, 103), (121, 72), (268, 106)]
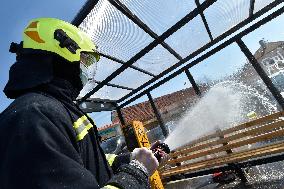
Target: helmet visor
[(88, 58), (88, 66)]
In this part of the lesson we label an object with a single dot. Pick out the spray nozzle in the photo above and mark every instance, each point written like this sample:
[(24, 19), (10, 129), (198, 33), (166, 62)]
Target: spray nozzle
[(160, 150)]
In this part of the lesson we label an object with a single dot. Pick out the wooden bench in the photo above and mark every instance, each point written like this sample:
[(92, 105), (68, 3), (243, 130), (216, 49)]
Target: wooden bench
[(264, 135)]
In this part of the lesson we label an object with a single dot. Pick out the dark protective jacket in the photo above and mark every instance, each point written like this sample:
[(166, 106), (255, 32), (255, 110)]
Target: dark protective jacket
[(46, 141)]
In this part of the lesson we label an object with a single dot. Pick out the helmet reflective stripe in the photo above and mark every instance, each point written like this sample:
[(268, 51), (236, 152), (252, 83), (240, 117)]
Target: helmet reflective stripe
[(39, 34)]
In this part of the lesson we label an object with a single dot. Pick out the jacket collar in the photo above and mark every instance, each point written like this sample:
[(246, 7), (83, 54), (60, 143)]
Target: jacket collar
[(60, 89)]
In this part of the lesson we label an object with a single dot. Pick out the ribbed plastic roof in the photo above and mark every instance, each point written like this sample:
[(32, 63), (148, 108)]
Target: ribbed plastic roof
[(141, 41)]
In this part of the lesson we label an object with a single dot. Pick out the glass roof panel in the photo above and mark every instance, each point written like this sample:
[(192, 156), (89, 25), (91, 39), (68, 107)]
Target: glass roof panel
[(113, 32), (111, 93), (106, 92), (259, 4), (224, 14), (105, 67), (131, 78), (189, 38), (160, 15), (156, 61), (118, 36)]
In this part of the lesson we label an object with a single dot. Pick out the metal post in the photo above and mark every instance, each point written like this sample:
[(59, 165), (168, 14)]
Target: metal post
[(193, 83), (251, 8), (84, 11), (204, 20), (158, 115), (238, 170), (119, 115), (275, 92)]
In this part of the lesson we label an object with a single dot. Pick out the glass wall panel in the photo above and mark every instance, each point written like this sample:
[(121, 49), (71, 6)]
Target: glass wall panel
[(101, 119), (112, 140), (267, 45), (105, 67), (138, 110), (173, 99), (235, 94), (111, 93)]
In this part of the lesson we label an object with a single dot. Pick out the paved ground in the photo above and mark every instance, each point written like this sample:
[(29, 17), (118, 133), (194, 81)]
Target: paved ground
[(269, 176), (190, 184)]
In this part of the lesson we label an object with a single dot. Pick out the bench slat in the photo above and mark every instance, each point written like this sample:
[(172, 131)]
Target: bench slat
[(256, 139), (259, 121), (252, 132), (230, 158)]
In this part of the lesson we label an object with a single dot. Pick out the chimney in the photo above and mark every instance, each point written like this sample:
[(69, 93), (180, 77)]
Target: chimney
[(262, 44)]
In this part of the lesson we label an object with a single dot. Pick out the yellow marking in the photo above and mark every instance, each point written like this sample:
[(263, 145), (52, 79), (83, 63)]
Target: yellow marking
[(84, 132), (79, 122), (33, 25), (143, 141), (34, 36), (110, 158)]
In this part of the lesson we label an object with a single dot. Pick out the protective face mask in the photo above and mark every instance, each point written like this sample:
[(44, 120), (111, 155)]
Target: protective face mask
[(88, 67)]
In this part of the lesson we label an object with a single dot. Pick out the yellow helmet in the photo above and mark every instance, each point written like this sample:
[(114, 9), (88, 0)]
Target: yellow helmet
[(56, 37), (60, 37)]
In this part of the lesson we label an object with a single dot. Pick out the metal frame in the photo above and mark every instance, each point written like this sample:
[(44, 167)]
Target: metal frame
[(208, 54), (176, 69), (122, 62), (142, 90), (204, 20), (193, 83), (205, 47), (158, 115), (152, 45), (84, 11)]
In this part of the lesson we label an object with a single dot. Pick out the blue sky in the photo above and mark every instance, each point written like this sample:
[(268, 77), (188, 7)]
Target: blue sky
[(15, 15)]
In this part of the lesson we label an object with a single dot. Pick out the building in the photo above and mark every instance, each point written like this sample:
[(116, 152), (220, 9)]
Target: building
[(170, 106), (270, 56), (109, 131)]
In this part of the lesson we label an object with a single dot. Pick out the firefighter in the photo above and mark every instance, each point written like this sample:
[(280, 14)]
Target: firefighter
[(46, 141)]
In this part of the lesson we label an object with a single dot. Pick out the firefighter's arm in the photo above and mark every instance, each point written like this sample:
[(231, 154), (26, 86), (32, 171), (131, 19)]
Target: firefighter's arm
[(132, 170), (41, 155), (115, 161)]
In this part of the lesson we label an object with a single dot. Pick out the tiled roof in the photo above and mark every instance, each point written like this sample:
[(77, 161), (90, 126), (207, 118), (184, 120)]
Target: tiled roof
[(144, 112), (270, 46), (114, 124)]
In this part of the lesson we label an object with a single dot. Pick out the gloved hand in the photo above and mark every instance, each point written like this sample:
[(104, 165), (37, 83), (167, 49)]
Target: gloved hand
[(147, 158), (158, 152)]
